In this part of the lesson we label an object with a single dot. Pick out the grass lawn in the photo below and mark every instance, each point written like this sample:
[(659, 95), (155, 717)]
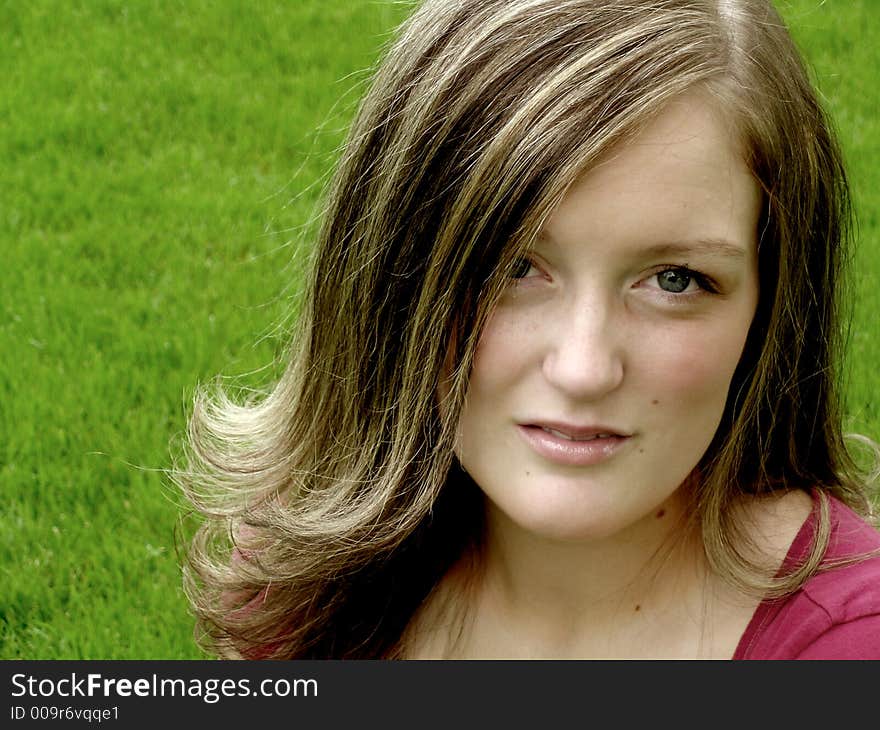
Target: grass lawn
[(160, 163)]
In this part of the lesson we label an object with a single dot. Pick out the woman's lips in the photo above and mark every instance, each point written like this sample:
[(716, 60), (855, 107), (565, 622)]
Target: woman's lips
[(572, 447)]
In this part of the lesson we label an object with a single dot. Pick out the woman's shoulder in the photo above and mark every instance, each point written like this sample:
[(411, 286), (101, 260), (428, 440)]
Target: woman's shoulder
[(851, 534), (836, 613)]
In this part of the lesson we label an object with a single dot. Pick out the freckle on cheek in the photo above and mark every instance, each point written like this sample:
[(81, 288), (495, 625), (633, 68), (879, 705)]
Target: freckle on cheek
[(660, 513), (655, 402)]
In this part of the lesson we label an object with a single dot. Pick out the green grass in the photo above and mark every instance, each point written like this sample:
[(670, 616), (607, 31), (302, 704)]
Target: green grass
[(159, 160), (160, 163)]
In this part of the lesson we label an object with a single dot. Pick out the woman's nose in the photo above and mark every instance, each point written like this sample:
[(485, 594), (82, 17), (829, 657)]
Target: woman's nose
[(585, 358)]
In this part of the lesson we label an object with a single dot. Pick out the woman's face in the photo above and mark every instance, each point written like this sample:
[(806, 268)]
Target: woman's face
[(601, 377)]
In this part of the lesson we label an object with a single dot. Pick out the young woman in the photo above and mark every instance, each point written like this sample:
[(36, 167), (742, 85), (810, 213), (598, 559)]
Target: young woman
[(565, 380)]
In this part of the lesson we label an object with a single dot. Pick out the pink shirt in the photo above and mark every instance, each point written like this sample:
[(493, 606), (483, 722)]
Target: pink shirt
[(836, 613)]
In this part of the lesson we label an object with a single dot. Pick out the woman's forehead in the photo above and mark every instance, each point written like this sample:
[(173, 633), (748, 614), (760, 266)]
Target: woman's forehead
[(682, 176)]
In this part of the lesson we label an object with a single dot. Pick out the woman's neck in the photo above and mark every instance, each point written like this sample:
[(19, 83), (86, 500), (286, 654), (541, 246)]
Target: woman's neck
[(557, 595)]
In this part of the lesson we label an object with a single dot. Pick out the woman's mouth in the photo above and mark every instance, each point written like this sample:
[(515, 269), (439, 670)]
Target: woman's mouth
[(573, 445)]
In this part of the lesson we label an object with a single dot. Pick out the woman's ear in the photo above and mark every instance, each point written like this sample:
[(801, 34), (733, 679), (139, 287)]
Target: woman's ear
[(444, 381)]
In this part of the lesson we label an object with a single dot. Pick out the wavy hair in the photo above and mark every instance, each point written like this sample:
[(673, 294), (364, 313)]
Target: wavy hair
[(333, 504)]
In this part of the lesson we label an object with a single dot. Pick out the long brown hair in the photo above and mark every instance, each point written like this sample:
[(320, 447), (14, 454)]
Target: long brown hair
[(339, 489)]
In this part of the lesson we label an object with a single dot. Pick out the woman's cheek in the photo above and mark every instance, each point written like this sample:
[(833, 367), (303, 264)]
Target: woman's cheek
[(702, 364), (508, 340)]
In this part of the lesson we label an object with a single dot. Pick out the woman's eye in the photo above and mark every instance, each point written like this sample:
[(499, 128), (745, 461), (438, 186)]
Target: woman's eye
[(676, 281), (521, 268)]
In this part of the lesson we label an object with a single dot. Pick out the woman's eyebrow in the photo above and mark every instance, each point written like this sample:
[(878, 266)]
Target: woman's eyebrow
[(704, 246), (701, 246)]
